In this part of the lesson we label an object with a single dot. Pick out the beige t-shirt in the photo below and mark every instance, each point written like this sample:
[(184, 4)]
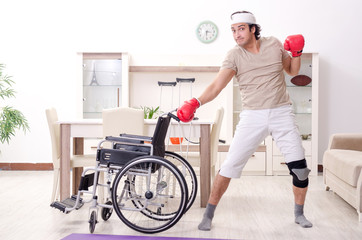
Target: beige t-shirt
[(260, 76)]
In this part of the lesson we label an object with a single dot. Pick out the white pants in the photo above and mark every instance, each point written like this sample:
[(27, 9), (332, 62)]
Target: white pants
[(254, 126)]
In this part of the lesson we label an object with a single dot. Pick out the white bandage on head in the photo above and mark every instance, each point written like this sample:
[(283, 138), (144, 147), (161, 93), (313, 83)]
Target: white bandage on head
[(243, 17)]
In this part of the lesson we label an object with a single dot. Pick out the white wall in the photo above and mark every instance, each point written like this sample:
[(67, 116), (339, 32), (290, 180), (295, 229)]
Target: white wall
[(40, 40)]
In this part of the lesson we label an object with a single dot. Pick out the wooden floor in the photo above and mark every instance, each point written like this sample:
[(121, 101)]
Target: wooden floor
[(254, 207)]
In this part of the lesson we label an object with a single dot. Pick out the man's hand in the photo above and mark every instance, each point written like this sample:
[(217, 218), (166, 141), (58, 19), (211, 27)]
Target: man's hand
[(186, 112), (294, 44)]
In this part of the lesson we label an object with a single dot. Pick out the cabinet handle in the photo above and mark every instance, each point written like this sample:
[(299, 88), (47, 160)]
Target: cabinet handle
[(283, 163), (117, 97)]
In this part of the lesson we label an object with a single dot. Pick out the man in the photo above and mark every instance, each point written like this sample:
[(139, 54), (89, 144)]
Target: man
[(257, 64)]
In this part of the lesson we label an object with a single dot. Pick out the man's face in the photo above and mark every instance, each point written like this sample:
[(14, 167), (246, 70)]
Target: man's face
[(241, 33)]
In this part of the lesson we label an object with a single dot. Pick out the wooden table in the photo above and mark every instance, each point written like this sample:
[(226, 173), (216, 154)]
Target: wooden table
[(92, 128)]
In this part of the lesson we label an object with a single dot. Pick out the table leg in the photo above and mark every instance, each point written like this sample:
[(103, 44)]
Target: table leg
[(205, 164), (78, 149), (64, 185)]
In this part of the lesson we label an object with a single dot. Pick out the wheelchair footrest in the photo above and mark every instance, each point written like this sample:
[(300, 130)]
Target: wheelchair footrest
[(67, 203)]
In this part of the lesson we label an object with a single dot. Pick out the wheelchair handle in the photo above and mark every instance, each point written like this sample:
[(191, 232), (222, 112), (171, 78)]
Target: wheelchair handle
[(173, 116)]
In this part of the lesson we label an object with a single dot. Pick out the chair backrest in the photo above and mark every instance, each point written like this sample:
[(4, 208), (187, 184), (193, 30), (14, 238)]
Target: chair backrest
[(159, 135), (215, 133), (122, 120), (54, 130)]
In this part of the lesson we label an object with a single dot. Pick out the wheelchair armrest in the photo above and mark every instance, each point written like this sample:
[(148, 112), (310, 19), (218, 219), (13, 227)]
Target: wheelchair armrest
[(125, 138), (136, 137), (129, 144)]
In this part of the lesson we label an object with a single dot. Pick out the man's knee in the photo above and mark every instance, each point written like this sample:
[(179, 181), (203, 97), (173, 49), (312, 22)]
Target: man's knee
[(299, 172)]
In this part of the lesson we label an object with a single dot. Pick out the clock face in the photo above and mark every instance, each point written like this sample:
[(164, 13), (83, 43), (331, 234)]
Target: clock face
[(207, 32)]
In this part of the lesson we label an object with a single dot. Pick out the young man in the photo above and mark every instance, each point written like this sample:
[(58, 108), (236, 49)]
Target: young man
[(257, 64)]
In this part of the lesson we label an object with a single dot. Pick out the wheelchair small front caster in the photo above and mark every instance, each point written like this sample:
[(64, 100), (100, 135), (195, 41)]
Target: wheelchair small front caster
[(107, 212), (92, 221)]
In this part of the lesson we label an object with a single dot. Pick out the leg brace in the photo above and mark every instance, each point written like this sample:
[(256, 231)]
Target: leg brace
[(300, 172)]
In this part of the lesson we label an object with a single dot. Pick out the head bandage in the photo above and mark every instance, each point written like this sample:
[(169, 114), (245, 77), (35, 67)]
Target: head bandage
[(243, 18)]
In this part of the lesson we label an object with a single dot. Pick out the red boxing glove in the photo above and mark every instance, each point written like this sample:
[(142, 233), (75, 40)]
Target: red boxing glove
[(186, 112), (294, 44)]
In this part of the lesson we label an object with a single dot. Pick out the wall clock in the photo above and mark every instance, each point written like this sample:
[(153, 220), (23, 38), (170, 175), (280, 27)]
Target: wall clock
[(206, 31)]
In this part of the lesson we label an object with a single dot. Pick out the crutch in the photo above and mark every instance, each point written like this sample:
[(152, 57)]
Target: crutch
[(166, 84), (180, 82)]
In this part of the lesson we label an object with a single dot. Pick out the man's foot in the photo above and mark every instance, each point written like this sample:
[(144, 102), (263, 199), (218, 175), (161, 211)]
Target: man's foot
[(302, 221), (205, 224), (299, 216)]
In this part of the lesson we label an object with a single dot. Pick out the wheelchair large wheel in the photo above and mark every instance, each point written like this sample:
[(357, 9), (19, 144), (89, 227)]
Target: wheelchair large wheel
[(143, 196), (191, 182), (188, 173)]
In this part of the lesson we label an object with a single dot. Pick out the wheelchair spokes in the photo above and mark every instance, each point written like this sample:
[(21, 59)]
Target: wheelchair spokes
[(148, 207)]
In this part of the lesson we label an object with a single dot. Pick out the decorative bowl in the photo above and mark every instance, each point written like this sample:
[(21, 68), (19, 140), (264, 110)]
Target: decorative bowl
[(176, 140)]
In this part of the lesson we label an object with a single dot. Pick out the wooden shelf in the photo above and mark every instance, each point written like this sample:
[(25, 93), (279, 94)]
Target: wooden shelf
[(173, 69)]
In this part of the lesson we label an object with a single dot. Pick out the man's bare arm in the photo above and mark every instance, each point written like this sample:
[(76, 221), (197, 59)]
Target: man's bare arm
[(291, 65), (219, 83)]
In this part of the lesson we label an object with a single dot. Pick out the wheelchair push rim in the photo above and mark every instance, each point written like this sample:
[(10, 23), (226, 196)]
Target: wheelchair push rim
[(141, 194)]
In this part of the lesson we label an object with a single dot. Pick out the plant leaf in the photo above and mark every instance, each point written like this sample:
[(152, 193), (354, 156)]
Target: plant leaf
[(10, 120)]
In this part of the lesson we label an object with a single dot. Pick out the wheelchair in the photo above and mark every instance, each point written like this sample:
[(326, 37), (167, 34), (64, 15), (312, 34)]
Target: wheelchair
[(148, 187)]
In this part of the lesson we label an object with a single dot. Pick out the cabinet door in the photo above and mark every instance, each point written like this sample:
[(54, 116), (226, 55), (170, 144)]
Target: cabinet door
[(301, 97), (279, 166), (256, 165), (102, 86)]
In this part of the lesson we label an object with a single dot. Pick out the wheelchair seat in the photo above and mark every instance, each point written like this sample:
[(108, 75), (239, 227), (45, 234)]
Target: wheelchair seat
[(127, 147)]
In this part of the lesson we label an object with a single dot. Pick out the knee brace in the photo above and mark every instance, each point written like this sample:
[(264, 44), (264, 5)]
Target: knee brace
[(300, 172)]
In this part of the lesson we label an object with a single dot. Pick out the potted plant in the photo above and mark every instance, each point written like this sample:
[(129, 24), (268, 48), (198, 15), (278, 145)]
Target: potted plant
[(150, 112), (10, 118)]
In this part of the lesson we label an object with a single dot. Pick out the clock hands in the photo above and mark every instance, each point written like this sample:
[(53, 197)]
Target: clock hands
[(206, 32)]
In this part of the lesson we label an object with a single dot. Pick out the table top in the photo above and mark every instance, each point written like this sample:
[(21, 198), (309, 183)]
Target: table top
[(90, 121), (194, 122)]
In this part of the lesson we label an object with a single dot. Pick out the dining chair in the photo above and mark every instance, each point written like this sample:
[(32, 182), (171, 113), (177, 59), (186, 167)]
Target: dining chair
[(117, 121), (76, 161), (194, 157), (122, 120)]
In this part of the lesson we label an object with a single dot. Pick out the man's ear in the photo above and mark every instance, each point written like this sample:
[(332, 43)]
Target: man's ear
[(252, 29)]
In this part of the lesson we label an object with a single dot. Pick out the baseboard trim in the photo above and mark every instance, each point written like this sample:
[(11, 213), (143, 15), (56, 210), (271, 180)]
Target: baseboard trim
[(26, 166)]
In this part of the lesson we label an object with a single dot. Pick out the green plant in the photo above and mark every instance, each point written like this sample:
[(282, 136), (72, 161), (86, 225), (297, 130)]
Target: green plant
[(150, 112), (10, 118)]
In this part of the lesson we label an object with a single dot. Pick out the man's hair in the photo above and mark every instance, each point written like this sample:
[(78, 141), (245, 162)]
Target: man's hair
[(257, 26)]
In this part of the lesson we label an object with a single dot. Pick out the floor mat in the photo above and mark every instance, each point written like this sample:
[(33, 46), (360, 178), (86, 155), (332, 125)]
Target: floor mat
[(77, 236)]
